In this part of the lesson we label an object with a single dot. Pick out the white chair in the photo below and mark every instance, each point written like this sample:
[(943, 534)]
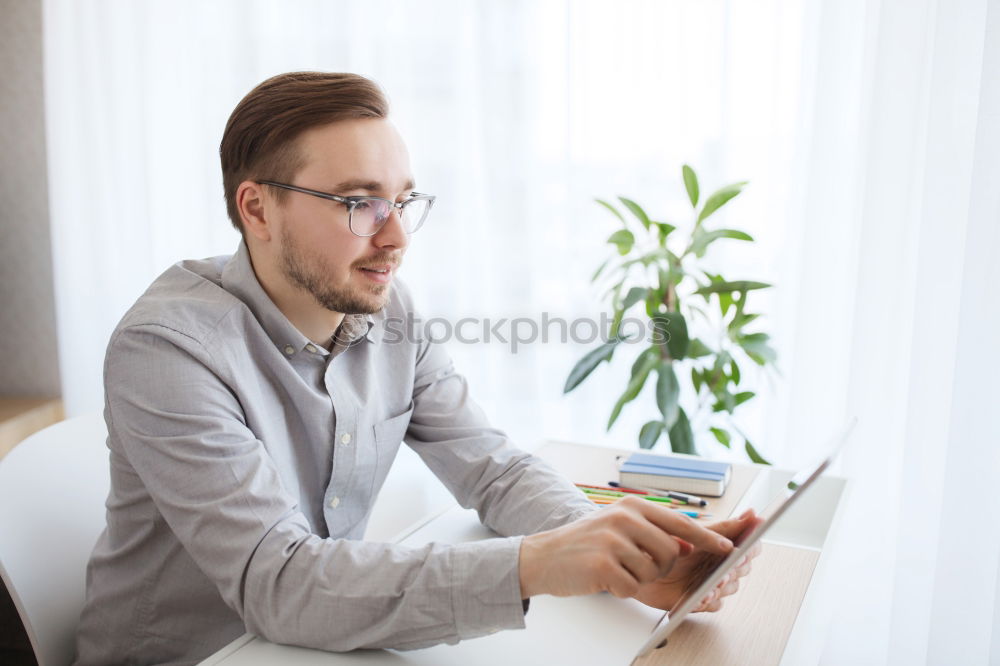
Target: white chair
[(53, 486)]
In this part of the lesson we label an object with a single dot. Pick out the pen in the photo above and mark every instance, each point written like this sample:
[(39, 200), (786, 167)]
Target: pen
[(616, 488), (684, 497)]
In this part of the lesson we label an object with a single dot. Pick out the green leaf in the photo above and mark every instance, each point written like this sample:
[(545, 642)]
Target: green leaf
[(719, 198), (600, 268), (743, 396), (648, 258), (640, 371), (672, 328), (587, 364), (637, 210), (668, 391), (664, 230), (650, 432), (697, 379), (756, 347), (697, 349), (635, 294), (690, 184), (723, 286), (721, 435), (616, 322), (624, 239), (611, 208), (716, 376), (754, 456), (741, 320), (681, 437), (701, 239), (726, 401), (725, 301), (734, 371)]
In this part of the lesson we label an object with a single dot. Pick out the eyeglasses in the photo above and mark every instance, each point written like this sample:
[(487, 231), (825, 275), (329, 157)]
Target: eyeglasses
[(366, 215)]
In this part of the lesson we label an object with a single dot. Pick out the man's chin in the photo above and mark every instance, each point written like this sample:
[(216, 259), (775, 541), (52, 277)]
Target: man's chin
[(370, 303)]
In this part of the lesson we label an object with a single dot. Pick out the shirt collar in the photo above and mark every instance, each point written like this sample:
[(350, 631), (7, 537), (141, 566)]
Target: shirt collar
[(239, 279)]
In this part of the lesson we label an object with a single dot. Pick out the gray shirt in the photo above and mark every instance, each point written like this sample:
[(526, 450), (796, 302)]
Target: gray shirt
[(244, 464)]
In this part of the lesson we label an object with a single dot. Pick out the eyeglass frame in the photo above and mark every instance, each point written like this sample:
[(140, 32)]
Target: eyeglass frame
[(352, 202)]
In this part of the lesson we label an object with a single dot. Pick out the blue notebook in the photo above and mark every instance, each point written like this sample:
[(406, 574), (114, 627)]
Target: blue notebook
[(686, 475)]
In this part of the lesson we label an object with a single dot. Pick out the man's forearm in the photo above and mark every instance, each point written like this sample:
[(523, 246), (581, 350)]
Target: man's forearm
[(341, 595), (530, 496)]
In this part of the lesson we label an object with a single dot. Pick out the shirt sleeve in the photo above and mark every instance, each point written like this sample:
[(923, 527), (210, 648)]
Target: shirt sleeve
[(514, 492), (182, 429)]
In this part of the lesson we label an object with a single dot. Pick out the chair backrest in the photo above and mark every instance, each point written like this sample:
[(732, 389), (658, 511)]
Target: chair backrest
[(53, 486)]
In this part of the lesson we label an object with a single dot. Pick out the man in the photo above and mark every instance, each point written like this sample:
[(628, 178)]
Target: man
[(254, 410)]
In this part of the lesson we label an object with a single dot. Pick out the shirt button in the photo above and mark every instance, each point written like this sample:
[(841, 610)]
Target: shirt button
[(311, 348), (345, 438), (334, 503), (289, 350)]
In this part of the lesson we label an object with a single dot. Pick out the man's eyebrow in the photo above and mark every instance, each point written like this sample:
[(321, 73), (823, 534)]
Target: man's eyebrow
[(367, 185)]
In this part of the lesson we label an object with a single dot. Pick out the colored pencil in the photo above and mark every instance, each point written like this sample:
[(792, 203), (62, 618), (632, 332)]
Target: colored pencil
[(589, 490), (605, 500)]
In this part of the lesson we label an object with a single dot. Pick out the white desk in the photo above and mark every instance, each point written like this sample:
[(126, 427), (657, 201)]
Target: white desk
[(778, 617)]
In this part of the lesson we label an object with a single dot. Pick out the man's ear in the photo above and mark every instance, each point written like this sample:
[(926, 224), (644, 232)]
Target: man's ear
[(250, 204)]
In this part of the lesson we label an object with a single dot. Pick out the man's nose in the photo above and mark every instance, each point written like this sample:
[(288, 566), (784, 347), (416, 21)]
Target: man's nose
[(392, 233)]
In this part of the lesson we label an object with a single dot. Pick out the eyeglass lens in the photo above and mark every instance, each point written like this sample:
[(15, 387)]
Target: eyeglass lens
[(369, 215)]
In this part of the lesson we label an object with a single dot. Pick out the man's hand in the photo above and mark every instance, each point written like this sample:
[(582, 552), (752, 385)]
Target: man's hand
[(692, 569), (618, 549)]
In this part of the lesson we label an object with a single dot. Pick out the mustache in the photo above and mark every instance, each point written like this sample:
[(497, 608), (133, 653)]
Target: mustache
[(391, 259)]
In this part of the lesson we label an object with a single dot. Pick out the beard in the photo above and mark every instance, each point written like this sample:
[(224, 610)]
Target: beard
[(312, 273)]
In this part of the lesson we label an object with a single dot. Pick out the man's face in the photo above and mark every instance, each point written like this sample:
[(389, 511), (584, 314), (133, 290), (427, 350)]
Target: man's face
[(318, 253)]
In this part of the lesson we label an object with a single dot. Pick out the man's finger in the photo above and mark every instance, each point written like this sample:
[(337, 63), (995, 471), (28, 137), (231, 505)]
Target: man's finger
[(733, 528), (621, 583), (729, 588), (680, 525), (662, 548), (641, 565)]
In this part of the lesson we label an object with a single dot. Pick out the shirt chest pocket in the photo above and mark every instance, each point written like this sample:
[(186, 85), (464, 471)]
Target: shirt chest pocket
[(388, 436)]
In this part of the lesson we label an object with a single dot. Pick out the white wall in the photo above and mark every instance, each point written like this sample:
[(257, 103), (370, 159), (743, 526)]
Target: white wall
[(28, 350)]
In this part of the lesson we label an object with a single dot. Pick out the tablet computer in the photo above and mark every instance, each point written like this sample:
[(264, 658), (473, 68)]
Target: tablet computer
[(793, 490)]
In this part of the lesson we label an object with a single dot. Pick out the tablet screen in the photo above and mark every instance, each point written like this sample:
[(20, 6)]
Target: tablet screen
[(713, 569)]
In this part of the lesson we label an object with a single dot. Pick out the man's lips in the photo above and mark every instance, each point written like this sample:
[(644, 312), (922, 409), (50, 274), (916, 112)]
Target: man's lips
[(378, 273)]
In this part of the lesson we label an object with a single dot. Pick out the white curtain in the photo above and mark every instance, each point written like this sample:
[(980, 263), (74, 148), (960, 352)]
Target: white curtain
[(895, 321), (868, 130), (517, 115)]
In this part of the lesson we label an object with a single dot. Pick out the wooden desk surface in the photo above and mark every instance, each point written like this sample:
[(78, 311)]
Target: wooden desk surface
[(756, 621)]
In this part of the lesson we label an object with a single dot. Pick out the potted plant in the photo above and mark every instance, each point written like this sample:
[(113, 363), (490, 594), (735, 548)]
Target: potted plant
[(659, 268)]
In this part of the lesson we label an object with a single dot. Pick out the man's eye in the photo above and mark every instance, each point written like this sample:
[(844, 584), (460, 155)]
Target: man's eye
[(363, 204)]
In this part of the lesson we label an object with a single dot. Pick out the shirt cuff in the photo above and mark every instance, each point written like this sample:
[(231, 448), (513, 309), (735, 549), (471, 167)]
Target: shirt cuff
[(486, 587)]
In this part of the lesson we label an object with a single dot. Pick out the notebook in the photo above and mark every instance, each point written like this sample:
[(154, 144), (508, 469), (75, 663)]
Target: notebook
[(683, 474)]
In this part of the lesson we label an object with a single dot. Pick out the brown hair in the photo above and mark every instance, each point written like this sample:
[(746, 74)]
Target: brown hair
[(259, 140)]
